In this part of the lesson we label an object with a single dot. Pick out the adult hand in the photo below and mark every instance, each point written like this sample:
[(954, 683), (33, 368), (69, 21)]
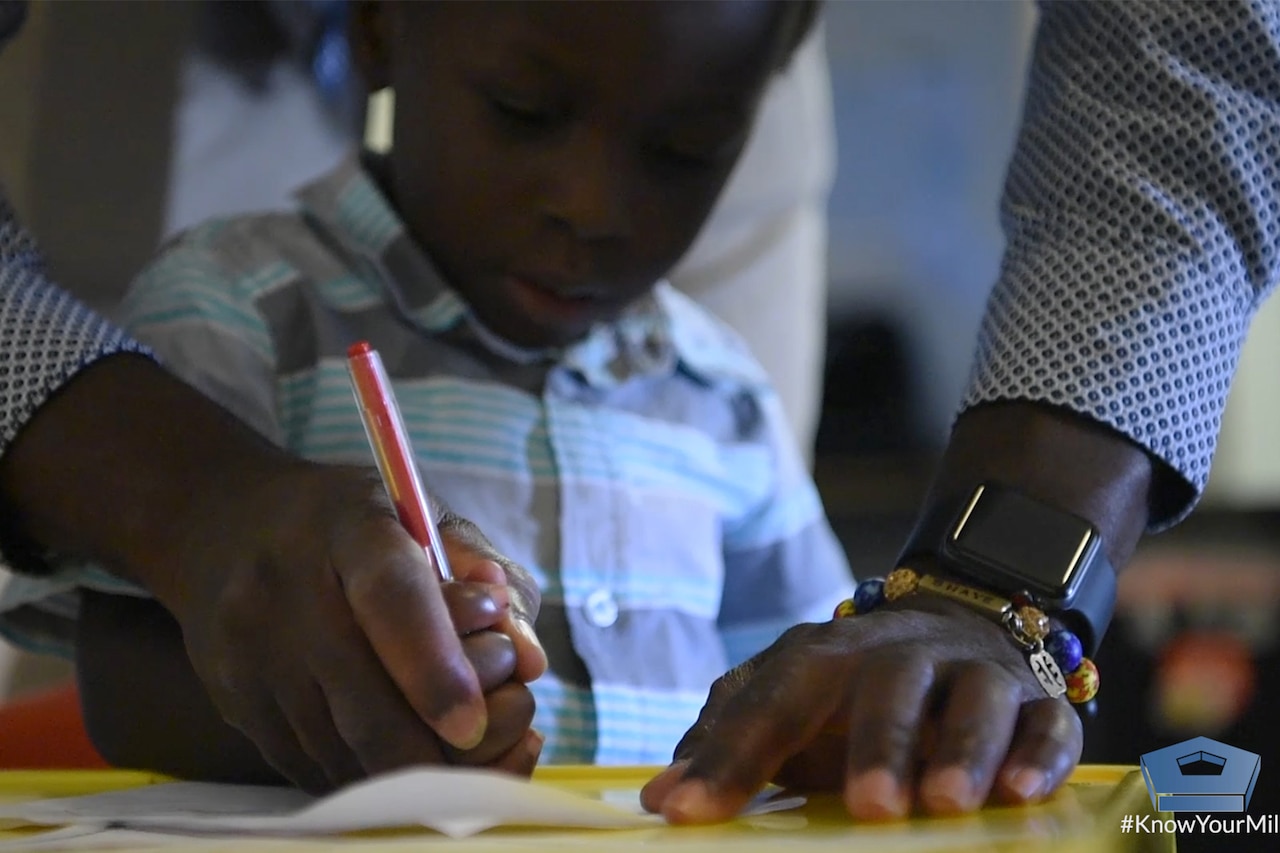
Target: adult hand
[(319, 630), (920, 704)]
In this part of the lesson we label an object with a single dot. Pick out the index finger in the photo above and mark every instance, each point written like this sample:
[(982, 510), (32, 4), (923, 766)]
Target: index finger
[(396, 599)]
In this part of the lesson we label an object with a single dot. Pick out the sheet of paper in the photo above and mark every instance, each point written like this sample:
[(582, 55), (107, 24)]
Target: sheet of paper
[(455, 801)]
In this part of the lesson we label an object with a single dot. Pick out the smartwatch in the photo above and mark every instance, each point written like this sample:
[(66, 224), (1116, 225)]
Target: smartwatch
[(1007, 542)]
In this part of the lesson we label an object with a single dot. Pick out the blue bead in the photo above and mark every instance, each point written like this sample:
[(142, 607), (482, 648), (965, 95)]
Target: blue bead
[(1066, 650), (869, 595)]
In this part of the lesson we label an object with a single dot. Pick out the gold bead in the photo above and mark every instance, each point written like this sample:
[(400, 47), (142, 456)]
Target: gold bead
[(846, 609), (1035, 625), (900, 582)]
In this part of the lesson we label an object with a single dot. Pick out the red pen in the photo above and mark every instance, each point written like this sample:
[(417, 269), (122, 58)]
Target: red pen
[(389, 439)]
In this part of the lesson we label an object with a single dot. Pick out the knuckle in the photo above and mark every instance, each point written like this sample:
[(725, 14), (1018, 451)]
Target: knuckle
[(997, 681), (894, 736), (964, 739), (796, 635), (1056, 720), (732, 681), (240, 602)]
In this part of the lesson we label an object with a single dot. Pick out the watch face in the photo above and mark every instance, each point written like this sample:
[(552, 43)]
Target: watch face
[(1017, 543)]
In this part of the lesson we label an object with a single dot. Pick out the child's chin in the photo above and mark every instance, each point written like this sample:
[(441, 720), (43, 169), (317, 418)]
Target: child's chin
[(530, 335)]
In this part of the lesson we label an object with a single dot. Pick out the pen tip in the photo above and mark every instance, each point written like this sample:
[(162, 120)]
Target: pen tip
[(361, 348)]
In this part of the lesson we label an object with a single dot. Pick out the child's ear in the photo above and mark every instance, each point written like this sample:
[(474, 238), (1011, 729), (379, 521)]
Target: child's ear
[(368, 33)]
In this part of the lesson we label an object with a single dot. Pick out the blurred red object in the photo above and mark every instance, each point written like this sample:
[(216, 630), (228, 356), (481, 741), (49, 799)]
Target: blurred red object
[(45, 731), (1204, 682)]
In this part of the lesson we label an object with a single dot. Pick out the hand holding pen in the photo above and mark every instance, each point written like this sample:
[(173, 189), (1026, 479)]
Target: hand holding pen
[(493, 642)]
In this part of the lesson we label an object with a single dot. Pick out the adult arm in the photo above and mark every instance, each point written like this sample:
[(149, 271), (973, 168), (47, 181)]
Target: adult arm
[(106, 455), (1142, 235)]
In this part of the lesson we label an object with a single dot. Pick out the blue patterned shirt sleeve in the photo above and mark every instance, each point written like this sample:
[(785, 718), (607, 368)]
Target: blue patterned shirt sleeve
[(46, 335), (1142, 222)]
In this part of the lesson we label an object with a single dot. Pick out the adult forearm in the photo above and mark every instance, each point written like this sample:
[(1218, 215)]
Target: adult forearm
[(114, 463), (1140, 224), (1059, 457)]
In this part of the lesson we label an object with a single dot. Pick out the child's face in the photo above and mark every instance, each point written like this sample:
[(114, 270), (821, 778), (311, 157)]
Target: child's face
[(556, 159)]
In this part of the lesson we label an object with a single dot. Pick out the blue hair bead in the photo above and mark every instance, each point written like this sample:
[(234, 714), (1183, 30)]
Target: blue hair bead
[(1066, 649), (869, 595)]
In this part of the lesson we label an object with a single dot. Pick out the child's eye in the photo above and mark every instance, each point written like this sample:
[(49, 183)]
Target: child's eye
[(700, 147), (520, 112)]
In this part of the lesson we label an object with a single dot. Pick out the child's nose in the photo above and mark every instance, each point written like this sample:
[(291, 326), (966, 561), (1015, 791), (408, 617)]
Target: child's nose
[(589, 194)]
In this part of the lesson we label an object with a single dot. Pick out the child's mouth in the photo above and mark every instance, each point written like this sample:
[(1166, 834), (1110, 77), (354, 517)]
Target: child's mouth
[(548, 304)]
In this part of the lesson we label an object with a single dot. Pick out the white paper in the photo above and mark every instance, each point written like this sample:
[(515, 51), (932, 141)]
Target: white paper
[(458, 802)]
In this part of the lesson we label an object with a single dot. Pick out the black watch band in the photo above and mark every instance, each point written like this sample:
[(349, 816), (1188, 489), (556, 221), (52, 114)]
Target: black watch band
[(1002, 540)]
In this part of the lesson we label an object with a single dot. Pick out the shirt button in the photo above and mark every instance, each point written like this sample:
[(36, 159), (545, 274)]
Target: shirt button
[(601, 608)]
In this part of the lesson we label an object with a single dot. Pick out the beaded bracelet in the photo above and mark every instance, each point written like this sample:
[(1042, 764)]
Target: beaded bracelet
[(1051, 649)]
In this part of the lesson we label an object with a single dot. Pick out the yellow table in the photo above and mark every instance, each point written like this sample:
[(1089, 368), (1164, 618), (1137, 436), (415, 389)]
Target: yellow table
[(1083, 817)]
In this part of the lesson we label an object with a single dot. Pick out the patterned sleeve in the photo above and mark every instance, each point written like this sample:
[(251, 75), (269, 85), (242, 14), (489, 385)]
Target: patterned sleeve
[(196, 317), (1142, 213), (784, 546), (46, 336)]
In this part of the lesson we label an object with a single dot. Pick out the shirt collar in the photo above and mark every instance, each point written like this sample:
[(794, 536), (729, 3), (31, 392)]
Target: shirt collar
[(658, 334)]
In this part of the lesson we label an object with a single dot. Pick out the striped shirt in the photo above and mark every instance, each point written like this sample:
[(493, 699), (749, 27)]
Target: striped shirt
[(643, 475)]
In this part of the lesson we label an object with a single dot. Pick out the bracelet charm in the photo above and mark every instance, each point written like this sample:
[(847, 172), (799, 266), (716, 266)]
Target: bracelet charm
[(1054, 654)]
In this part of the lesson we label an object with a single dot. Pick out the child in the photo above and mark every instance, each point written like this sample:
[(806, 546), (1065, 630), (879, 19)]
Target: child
[(551, 162)]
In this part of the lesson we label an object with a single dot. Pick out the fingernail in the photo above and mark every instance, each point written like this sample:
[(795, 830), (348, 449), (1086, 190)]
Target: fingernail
[(464, 726), (526, 630), (500, 593), (948, 791), (1028, 784), (876, 795), (690, 802), (533, 742)]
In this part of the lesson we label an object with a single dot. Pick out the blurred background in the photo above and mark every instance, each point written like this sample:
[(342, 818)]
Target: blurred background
[(122, 122)]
